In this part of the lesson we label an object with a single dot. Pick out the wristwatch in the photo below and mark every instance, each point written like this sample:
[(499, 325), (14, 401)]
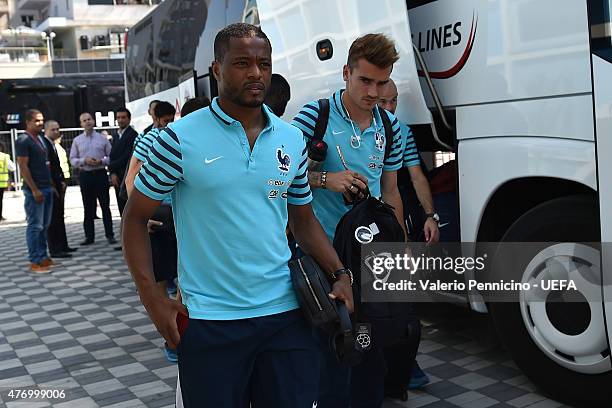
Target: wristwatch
[(343, 271), (433, 215), (323, 179)]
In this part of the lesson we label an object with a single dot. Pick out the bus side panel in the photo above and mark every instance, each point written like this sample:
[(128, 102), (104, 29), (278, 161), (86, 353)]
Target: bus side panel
[(569, 118), (295, 27), (515, 158), (482, 51)]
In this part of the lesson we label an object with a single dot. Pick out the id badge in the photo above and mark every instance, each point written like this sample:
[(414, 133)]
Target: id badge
[(363, 336)]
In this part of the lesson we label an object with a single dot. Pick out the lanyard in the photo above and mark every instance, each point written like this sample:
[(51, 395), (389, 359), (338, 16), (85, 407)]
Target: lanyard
[(38, 142), (40, 145)]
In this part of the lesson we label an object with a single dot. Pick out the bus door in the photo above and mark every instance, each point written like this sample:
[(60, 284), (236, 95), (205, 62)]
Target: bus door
[(601, 55)]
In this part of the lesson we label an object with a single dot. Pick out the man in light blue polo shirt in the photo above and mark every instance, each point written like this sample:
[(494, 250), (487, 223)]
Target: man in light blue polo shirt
[(144, 141), (355, 124), (236, 174), (401, 359), (411, 161), (161, 225)]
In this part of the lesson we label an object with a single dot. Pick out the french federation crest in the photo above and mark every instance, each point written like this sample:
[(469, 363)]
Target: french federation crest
[(284, 161), (380, 141)]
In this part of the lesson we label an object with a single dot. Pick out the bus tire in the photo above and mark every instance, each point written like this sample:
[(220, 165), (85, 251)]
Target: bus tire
[(566, 219)]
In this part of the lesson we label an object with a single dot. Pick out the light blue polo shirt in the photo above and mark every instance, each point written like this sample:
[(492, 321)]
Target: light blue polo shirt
[(409, 147), (366, 159), (230, 210)]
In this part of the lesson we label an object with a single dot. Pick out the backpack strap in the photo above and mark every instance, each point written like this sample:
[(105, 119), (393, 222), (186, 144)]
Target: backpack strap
[(384, 116), (322, 119)]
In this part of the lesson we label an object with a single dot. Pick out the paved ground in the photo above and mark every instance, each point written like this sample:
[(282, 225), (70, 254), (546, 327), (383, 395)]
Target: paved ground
[(82, 329)]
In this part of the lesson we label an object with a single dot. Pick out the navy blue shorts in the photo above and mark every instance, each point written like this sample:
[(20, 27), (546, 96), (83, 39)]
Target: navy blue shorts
[(270, 361)]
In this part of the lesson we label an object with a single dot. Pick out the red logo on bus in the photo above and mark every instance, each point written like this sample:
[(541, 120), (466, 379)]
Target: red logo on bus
[(452, 71)]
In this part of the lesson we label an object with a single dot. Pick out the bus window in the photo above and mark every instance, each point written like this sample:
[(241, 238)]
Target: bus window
[(601, 28), (251, 14), (161, 48), (417, 3)]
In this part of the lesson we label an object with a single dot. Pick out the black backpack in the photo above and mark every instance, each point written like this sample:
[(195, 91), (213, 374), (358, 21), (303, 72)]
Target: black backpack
[(323, 119), (388, 320), (375, 219)]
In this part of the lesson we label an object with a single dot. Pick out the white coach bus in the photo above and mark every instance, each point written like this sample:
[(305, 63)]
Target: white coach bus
[(519, 91), (526, 87)]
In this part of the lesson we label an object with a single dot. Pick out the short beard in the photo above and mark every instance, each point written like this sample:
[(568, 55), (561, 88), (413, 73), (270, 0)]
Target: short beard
[(240, 101), (249, 104), (235, 96)]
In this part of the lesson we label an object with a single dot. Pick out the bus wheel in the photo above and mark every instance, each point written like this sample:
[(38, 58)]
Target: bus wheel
[(561, 346)]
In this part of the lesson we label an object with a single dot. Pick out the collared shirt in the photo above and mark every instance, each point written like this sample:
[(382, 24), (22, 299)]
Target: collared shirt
[(409, 147), (34, 149), (230, 210), (365, 157), (95, 145), (63, 159)]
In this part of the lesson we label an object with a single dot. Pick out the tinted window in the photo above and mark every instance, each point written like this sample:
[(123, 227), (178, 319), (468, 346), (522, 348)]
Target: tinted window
[(601, 30), (161, 48), (122, 2), (417, 3)]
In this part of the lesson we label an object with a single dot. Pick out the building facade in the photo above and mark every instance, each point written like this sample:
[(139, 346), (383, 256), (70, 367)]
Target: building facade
[(64, 50), (84, 29)]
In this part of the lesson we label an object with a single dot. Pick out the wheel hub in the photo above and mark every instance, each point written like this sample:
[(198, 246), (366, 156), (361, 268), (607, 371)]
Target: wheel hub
[(567, 325)]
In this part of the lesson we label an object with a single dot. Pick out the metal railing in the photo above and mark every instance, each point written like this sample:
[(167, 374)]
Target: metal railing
[(23, 55), (9, 137), (87, 66)]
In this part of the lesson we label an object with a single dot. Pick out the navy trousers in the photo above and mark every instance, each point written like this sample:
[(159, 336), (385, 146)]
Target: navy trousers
[(263, 362)]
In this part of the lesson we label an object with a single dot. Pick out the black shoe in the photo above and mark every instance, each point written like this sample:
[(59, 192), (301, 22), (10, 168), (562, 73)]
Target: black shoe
[(397, 393), (60, 255), (87, 242), (118, 248), (111, 240), (68, 249)]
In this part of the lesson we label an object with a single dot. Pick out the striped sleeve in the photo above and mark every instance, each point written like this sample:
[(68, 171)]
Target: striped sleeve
[(394, 161), (144, 143), (411, 154), (163, 167), (138, 138), (299, 190), (306, 119)]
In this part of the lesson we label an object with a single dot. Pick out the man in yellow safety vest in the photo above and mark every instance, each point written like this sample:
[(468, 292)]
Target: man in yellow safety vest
[(6, 166)]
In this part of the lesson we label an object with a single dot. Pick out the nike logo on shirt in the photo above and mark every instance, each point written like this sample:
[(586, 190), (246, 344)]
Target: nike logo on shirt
[(208, 161)]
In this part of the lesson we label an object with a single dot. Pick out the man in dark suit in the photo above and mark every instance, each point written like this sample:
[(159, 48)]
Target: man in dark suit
[(123, 143), (56, 234)]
